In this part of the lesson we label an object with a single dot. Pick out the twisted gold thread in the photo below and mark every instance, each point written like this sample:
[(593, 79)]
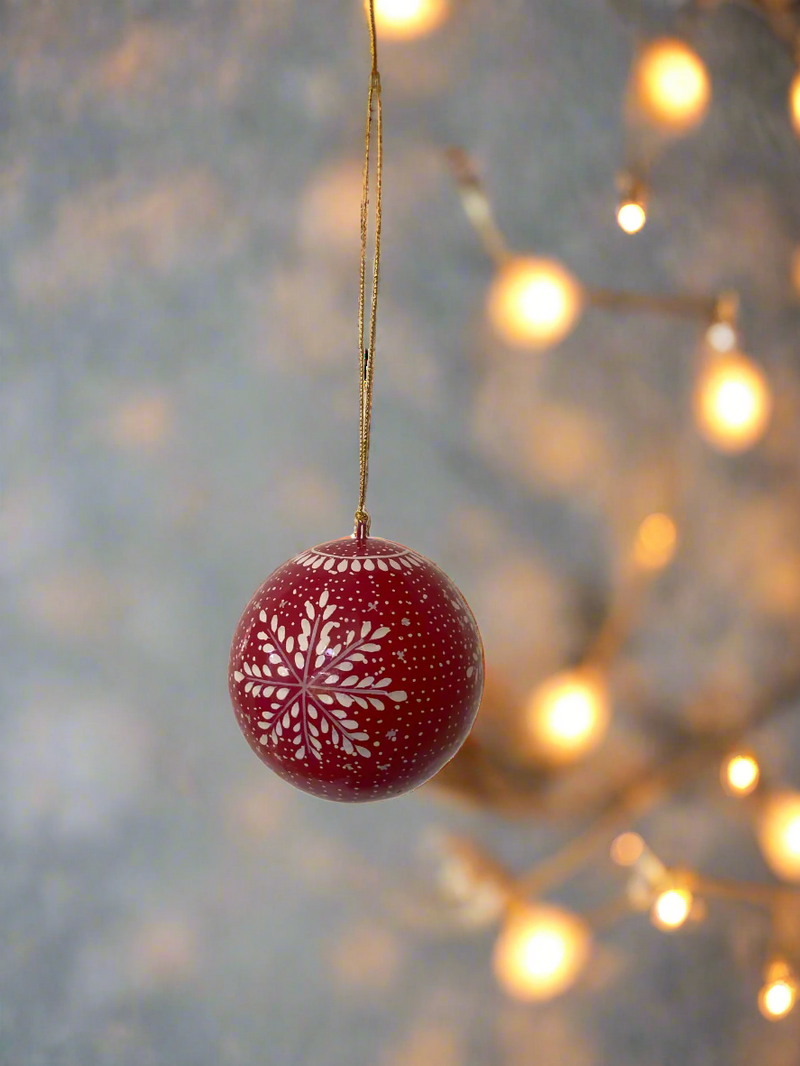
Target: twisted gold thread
[(366, 355)]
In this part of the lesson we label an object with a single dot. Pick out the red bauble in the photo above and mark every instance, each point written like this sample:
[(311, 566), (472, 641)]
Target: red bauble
[(356, 670)]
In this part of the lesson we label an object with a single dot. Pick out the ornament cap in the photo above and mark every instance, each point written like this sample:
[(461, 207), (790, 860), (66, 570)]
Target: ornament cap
[(362, 527)]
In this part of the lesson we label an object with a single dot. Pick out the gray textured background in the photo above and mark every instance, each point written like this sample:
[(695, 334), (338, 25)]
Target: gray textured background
[(178, 219)]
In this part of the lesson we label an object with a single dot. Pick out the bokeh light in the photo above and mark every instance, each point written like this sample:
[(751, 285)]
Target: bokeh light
[(777, 999), (141, 423), (627, 849), (671, 908), (671, 84), (794, 271), (740, 774), (540, 952), (534, 303), (732, 402), (404, 19), (567, 715), (656, 541), (794, 101), (779, 834), (778, 994), (631, 216), (721, 336)]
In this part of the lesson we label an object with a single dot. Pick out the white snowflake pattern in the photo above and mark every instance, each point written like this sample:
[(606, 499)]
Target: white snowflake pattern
[(316, 690)]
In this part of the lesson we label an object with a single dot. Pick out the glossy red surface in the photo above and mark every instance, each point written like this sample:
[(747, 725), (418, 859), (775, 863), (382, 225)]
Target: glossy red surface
[(356, 670)]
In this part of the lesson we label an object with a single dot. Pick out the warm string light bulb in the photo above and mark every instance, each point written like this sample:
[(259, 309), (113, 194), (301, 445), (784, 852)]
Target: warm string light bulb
[(778, 994), (534, 303), (671, 84), (740, 774), (732, 402), (631, 216), (671, 908), (721, 336), (627, 849), (404, 19), (656, 541), (567, 715), (777, 999), (794, 101), (540, 952), (779, 834)]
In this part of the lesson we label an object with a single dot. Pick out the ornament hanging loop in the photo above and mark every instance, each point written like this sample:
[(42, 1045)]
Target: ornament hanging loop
[(363, 522), (366, 332)]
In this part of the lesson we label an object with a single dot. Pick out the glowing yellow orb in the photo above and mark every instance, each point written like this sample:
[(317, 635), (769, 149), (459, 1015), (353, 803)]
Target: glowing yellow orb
[(732, 402), (777, 998), (779, 834), (656, 541), (404, 19), (540, 952), (671, 908), (794, 101), (567, 715), (740, 774), (534, 303), (671, 84), (631, 216)]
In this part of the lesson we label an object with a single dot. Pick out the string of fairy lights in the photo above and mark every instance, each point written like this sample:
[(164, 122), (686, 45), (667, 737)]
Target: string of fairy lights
[(532, 303)]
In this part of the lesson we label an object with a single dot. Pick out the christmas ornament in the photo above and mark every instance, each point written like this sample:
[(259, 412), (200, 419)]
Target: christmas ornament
[(356, 670)]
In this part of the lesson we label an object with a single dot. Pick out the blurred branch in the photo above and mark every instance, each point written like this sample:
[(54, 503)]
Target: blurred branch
[(739, 891), (480, 213), (780, 15), (477, 205), (682, 305)]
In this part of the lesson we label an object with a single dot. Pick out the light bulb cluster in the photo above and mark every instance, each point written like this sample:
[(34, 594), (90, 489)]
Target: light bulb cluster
[(542, 948), (534, 303), (670, 896)]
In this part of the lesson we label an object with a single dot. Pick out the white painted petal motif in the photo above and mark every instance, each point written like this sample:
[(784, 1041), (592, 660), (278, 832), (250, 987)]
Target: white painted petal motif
[(319, 701)]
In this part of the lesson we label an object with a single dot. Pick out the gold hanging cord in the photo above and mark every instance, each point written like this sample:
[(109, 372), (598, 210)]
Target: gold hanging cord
[(366, 355)]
